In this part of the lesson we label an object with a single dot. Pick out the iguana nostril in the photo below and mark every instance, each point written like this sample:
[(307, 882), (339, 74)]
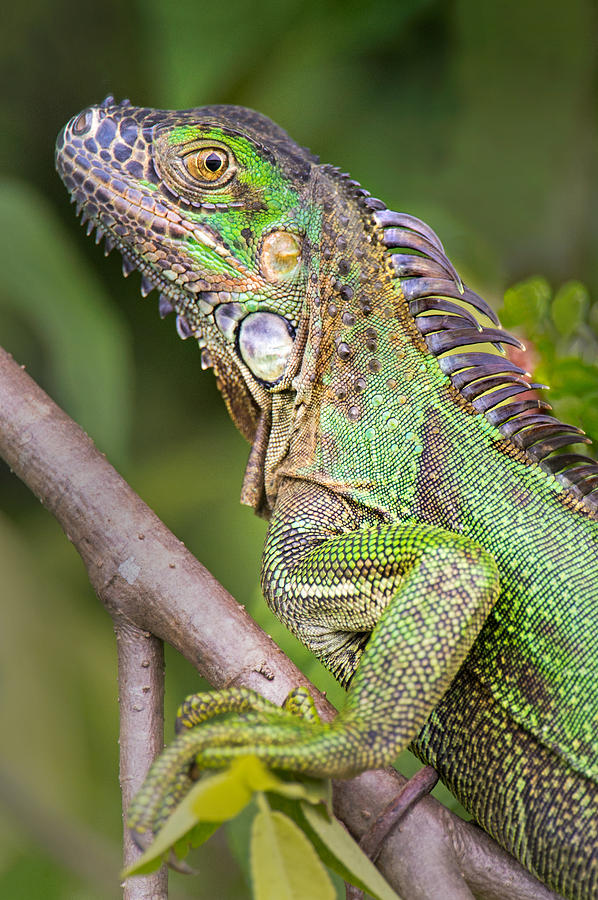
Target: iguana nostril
[(82, 123)]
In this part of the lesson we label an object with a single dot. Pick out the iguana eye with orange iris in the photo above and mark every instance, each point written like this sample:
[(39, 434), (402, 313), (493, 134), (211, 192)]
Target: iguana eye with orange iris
[(207, 164)]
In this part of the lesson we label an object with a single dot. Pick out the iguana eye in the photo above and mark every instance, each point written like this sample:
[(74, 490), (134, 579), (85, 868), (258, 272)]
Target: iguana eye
[(207, 164)]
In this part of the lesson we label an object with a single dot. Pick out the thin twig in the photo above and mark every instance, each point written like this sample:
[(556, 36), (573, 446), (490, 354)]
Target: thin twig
[(417, 787), (373, 840)]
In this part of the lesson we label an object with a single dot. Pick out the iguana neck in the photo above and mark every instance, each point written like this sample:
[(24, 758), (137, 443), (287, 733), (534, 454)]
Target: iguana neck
[(350, 293), (355, 313)]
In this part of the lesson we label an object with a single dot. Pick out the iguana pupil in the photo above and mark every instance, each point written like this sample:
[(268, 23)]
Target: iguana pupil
[(214, 162)]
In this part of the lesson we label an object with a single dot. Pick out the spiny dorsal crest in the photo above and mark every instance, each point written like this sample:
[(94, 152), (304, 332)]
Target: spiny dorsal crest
[(489, 381)]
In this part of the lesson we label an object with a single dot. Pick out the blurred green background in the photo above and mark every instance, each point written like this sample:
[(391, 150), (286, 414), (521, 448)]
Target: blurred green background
[(478, 117)]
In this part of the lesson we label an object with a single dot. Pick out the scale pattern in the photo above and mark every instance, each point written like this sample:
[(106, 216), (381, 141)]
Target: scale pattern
[(429, 540)]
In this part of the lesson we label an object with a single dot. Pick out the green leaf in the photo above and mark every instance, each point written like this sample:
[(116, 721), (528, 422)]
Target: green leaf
[(218, 798), (147, 863), (238, 832), (569, 307), (256, 776), (195, 838), (284, 864), (312, 790), (215, 798), (339, 843)]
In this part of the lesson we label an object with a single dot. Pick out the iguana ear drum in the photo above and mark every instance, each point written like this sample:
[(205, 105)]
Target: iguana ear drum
[(280, 255), (265, 344)]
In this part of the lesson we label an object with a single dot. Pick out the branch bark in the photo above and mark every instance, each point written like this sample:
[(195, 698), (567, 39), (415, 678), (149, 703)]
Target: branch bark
[(148, 580)]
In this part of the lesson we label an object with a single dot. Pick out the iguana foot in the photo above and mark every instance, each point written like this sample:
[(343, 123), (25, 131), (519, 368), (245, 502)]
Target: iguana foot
[(292, 738)]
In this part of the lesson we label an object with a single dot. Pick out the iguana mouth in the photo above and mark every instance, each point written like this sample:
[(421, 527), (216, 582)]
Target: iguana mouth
[(171, 298)]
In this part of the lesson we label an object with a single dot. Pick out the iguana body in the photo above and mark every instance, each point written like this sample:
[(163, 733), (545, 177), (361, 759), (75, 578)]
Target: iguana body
[(419, 543)]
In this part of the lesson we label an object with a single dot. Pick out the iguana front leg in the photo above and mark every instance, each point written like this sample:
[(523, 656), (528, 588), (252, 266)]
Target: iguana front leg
[(422, 592), (391, 608)]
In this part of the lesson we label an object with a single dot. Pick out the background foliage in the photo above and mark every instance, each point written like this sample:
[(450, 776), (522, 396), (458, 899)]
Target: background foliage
[(478, 117)]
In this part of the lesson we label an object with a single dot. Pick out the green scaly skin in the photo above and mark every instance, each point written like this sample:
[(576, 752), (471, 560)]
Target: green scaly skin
[(419, 543)]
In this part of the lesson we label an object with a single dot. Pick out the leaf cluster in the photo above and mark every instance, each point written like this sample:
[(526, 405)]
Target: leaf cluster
[(293, 837)]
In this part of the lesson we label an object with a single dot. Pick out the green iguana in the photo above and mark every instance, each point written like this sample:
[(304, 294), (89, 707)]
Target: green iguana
[(425, 541)]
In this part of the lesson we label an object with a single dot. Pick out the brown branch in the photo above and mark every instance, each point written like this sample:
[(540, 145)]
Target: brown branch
[(141, 736), (146, 577)]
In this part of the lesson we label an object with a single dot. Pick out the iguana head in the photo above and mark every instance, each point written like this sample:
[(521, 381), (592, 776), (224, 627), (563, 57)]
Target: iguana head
[(210, 204)]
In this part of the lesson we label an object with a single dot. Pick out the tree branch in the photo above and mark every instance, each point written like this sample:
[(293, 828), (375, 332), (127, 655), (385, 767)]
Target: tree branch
[(146, 578), (141, 737)]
